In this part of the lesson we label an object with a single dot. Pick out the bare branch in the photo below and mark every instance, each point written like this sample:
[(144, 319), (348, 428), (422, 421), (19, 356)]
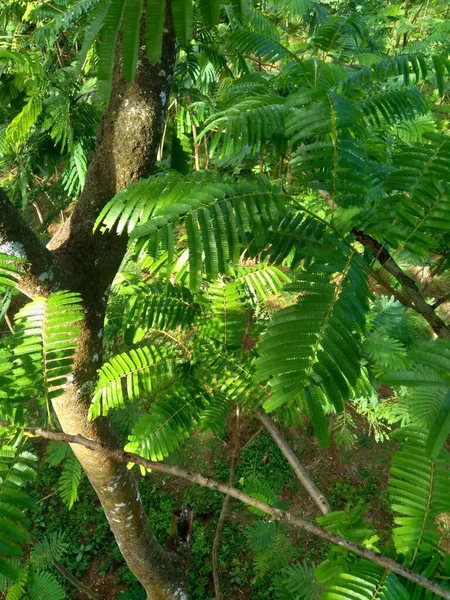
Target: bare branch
[(301, 473), (226, 502), (410, 289), (278, 514), (76, 582)]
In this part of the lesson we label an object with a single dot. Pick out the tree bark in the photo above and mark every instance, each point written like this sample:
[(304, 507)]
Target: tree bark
[(78, 260)]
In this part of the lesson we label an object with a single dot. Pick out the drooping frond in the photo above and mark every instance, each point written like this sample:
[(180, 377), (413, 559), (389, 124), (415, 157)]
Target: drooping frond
[(336, 30), (130, 375), (230, 376), (46, 337), (299, 238), (245, 126), (230, 381), (227, 317), (420, 191), (43, 585), (419, 489), (274, 557), (317, 340), (8, 270), (246, 42), (409, 68), (261, 534), (220, 217), (366, 581), (52, 547), (157, 306), (170, 420), (20, 127), (392, 106), (386, 352), (261, 280), (298, 581), (69, 480), (426, 404), (16, 469)]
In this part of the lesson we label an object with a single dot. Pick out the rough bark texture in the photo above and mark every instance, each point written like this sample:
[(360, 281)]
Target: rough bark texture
[(127, 144), (78, 260), (42, 272)]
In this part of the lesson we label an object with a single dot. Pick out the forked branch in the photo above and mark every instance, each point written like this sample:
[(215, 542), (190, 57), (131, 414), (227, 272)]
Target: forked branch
[(41, 271), (410, 289)]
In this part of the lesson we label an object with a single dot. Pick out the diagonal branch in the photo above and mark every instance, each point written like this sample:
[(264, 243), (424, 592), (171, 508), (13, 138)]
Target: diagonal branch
[(278, 514), (226, 502), (410, 289), (42, 273), (301, 473)]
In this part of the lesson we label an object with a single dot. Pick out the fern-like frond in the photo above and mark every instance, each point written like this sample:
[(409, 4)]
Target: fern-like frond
[(43, 585), (419, 183), (17, 590), (20, 127), (393, 106), (156, 306), (52, 547), (244, 41), (426, 404), (16, 469), (386, 352), (330, 35), (365, 582), (169, 422), (260, 281), (246, 125), (317, 340), (319, 112), (274, 557), (220, 217), (46, 338), (406, 67), (69, 480), (107, 48), (297, 582), (261, 534), (9, 273), (227, 317), (419, 489), (130, 375), (131, 33)]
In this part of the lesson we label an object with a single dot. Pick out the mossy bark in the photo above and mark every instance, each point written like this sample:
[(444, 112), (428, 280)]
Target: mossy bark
[(126, 149)]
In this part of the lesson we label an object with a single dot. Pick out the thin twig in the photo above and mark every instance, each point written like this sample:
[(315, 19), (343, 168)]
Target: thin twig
[(301, 473), (278, 514), (218, 537), (9, 323), (254, 436), (76, 582)]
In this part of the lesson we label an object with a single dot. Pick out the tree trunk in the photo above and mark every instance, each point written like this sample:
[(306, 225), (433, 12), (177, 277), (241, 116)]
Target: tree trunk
[(81, 261)]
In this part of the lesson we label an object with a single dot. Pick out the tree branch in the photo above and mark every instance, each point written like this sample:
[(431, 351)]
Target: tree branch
[(278, 514), (75, 582), (301, 473), (408, 284), (42, 273), (223, 512)]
